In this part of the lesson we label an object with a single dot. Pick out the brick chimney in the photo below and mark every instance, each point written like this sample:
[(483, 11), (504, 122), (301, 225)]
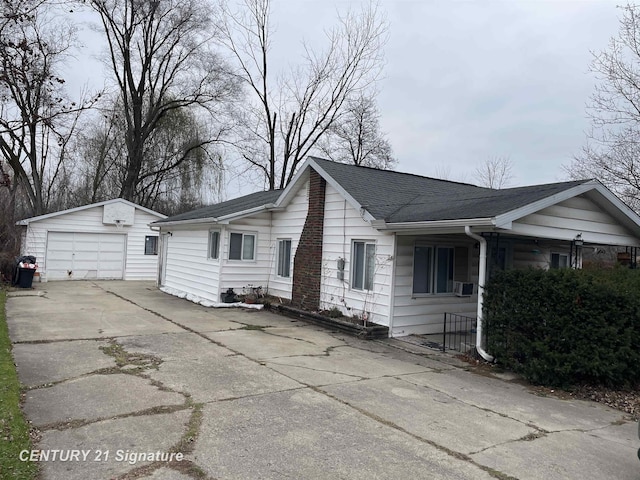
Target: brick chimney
[(307, 264)]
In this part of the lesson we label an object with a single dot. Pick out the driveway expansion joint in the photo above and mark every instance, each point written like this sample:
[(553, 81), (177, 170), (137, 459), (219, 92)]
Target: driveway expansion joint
[(76, 423), (356, 377), (470, 404), (527, 438), (458, 455)]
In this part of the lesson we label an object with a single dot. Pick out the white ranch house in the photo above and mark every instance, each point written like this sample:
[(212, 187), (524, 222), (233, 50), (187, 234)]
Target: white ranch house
[(397, 248), (109, 240)]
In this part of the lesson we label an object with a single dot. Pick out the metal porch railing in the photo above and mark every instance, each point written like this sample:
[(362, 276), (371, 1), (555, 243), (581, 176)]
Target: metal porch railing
[(458, 333)]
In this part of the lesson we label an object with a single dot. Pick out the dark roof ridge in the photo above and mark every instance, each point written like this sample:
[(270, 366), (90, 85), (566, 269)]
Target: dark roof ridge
[(400, 173), (566, 182)]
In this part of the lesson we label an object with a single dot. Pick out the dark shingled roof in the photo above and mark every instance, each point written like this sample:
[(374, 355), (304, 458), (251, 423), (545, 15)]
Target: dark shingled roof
[(397, 197), (401, 197), (236, 205)]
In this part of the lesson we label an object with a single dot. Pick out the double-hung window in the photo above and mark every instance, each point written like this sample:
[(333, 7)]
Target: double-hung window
[(363, 265), (214, 244), (433, 269), (284, 258), (242, 246)]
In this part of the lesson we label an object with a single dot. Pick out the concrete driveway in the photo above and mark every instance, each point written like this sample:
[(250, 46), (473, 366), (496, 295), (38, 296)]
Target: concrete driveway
[(120, 376)]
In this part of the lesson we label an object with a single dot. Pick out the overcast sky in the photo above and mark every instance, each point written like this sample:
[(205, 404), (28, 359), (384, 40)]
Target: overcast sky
[(469, 80)]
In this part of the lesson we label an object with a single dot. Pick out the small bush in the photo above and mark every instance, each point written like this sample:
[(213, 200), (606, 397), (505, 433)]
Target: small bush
[(566, 327)]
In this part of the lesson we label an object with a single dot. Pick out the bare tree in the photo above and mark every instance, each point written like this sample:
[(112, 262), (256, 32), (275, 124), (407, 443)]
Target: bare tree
[(291, 111), (37, 119), (613, 143), (495, 172), (615, 161), (162, 60), (356, 138), (100, 157), (183, 158), (9, 232), (180, 154)]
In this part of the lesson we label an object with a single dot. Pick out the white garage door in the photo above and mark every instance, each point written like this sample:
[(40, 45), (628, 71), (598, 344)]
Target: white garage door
[(80, 256)]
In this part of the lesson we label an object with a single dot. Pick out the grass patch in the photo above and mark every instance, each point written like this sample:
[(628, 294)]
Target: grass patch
[(123, 358), (14, 430), (252, 327)]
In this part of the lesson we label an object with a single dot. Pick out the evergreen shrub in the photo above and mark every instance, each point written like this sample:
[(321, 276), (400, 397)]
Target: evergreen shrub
[(566, 327)]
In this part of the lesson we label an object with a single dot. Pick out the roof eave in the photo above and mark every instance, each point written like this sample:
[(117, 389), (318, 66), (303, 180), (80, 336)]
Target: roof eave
[(191, 221), (220, 220), (434, 224), (506, 219), (246, 213), (27, 221)]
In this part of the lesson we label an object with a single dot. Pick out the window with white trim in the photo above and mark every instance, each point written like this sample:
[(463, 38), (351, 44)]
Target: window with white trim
[(213, 249), (363, 264), (559, 260), (242, 246), (284, 258), (433, 269)]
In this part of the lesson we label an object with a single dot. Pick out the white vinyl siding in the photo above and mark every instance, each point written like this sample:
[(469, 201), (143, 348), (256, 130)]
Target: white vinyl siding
[(416, 314), (577, 215), (138, 266), (343, 225), (186, 268), (238, 274), (288, 224)]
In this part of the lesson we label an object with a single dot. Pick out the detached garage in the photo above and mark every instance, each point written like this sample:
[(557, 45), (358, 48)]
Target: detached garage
[(108, 241)]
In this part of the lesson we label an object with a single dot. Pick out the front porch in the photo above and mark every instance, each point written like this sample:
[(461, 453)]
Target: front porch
[(458, 335), (438, 275)]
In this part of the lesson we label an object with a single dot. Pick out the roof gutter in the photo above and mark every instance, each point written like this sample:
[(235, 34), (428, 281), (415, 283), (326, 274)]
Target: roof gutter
[(435, 224), (482, 276)]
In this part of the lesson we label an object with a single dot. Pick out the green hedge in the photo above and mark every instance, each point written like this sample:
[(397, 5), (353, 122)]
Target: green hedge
[(566, 327)]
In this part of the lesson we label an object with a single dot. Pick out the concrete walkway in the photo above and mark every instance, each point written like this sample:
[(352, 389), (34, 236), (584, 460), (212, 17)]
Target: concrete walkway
[(127, 375)]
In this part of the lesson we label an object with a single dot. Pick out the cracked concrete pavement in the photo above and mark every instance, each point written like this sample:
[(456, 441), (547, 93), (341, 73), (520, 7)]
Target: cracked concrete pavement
[(125, 373)]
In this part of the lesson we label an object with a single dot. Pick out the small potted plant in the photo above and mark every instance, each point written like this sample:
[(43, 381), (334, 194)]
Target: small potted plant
[(251, 294), (229, 296)]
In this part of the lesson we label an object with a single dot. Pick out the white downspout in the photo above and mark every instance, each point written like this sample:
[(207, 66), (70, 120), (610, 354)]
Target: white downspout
[(482, 276)]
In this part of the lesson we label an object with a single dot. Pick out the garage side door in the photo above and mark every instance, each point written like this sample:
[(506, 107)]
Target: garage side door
[(80, 256)]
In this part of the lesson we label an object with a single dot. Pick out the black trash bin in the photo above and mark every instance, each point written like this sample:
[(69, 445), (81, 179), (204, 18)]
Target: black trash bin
[(25, 277)]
